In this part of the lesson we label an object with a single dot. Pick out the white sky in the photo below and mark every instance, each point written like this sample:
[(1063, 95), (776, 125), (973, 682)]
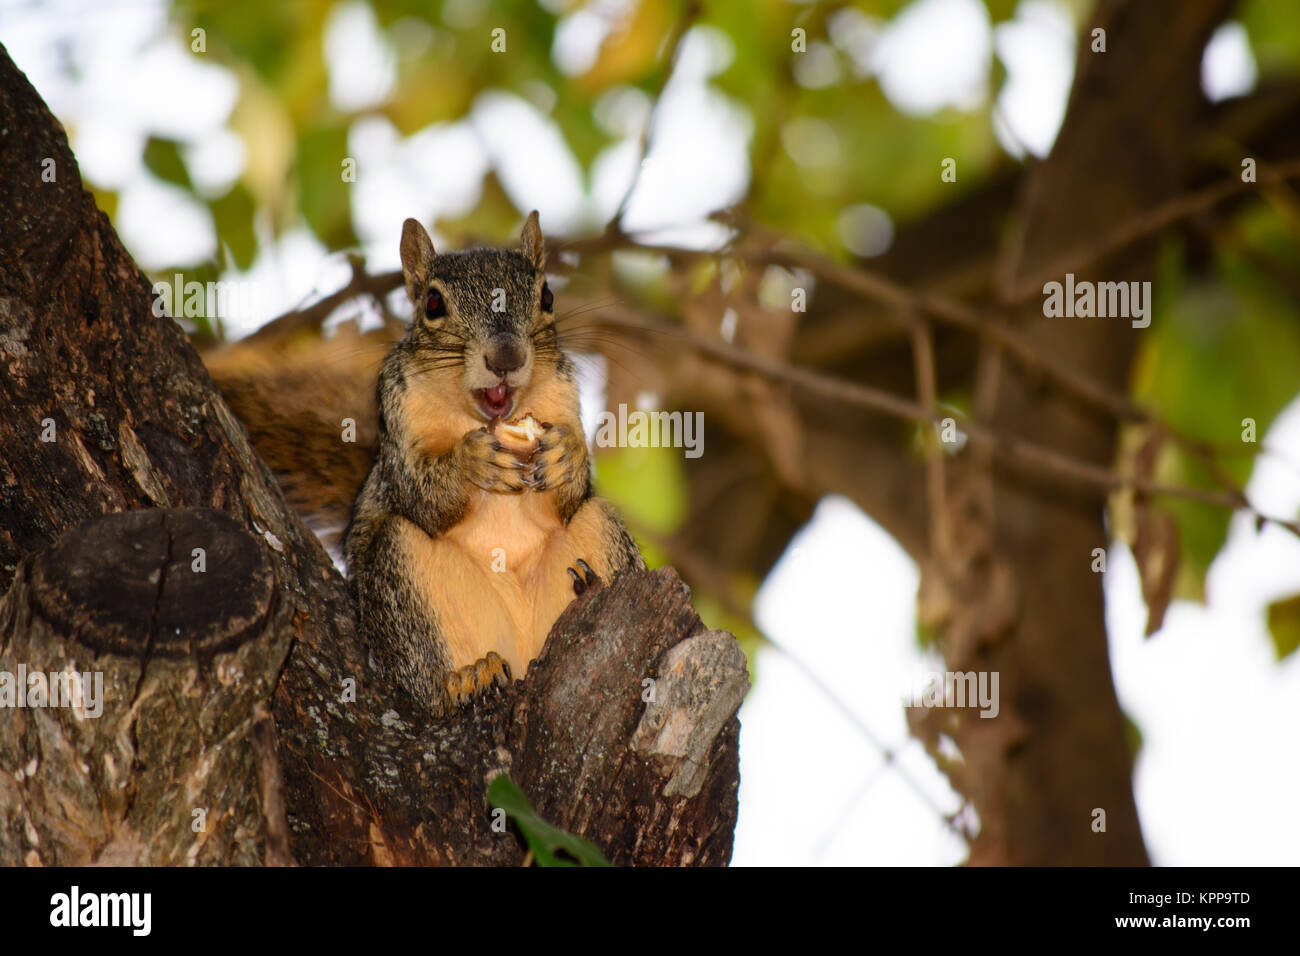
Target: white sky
[(1217, 774)]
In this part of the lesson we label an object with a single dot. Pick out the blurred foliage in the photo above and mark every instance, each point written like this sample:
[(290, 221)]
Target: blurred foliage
[(1222, 348), (163, 158), (649, 488), (1274, 31), (1284, 625), (295, 138), (1224, 344)]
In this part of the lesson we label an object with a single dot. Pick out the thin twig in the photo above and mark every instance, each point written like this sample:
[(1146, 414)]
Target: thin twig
[(1147, 224), (1010, 448), (887, 292), (927, 391), (377, 286), (900, 299)]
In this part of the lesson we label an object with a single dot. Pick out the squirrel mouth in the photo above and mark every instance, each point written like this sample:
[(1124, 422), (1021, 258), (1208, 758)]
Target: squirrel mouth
[(495, 401)]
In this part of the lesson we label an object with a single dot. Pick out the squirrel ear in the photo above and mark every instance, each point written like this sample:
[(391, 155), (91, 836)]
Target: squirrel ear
[(417, 257), (534, 246)]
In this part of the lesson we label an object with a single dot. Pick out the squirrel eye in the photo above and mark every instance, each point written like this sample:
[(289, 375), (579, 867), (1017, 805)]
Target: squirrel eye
[(548, 299), (434, 307)]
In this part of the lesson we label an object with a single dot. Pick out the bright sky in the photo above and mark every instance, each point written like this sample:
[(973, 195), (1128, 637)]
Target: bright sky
[(1217, 775)]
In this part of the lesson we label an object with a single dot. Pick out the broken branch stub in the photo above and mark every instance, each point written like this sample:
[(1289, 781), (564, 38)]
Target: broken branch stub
[(623, 732), (143, 665)]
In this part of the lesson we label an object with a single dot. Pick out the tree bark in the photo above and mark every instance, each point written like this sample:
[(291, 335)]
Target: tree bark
[(649, 782), (1026, 603), (226, 690), (152, 766)]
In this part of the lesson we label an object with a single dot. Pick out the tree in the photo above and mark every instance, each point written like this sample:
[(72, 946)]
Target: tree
[(1077, 431), (238, 722)]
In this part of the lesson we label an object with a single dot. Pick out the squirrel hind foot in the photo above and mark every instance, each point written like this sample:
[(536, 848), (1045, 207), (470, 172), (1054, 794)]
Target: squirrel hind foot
[(472, 681), (587, 579)]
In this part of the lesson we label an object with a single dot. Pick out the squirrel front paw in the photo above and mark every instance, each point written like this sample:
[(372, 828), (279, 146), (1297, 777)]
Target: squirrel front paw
[(584, 580), (490, 465), (558, 459), (476, 679)]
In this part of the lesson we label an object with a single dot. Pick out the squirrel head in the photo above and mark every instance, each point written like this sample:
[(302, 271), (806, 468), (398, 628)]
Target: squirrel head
[(485, 315)]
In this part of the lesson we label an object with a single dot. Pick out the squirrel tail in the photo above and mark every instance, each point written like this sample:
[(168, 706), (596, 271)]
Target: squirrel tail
[(309, 407)]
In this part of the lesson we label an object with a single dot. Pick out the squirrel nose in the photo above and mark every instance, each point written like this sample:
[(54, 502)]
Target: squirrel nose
[(503, 357)]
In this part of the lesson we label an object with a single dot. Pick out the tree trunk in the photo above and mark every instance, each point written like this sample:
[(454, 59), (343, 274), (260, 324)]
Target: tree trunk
[(1027, 603), (239, 689)]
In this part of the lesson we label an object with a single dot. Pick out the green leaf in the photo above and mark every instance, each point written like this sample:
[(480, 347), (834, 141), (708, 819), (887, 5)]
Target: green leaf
[(280, 41), (1132, 736), (1274, 31), (428, 93), (233, 216), (543, 839), (324, 194), (106, 200), (1284, 626), (1220, 350), (163, 157), (576, 118), (647, 485), (201, 328), (1000, 10)]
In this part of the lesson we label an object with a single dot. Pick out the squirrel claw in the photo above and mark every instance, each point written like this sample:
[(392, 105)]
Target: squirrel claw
[(472, 681), (586, 580)]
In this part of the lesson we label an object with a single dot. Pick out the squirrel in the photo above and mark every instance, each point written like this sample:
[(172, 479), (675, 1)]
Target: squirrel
[(465, 543)]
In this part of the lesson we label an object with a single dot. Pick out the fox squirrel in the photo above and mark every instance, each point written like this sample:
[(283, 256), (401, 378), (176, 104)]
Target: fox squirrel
[(470, 534)]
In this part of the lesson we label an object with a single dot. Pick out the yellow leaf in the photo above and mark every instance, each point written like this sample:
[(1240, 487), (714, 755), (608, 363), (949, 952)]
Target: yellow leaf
[(1284, 626), (631, 48), (264, 126)]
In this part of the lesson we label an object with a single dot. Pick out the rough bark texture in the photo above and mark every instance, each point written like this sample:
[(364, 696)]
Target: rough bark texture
[(650, 782), (108, 409), (186, 645)]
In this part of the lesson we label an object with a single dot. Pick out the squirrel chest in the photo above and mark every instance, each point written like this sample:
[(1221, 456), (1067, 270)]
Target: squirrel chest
[(506, 534), (496, 580)]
